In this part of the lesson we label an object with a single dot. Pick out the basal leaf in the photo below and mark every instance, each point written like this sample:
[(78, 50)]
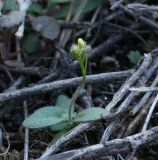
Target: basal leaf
[(44, 117), (63, 102), (91, 114), (47, 26), (61, 126)]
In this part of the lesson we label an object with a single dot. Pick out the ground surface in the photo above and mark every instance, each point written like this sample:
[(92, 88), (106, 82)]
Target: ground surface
[(119, 32)]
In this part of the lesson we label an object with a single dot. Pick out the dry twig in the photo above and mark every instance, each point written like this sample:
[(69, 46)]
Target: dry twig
[(109, 147), (61, 84)]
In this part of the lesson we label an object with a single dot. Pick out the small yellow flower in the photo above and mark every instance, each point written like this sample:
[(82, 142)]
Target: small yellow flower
[(81, 42), (80, 50)]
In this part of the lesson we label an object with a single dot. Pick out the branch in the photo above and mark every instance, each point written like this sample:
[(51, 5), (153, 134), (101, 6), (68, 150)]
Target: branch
[(109, 148), (61, 84), (131, 81), (144, 89)]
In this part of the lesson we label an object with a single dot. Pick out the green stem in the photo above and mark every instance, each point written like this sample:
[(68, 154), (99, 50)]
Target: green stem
[(74, 97), (77, 92), (83, 65)]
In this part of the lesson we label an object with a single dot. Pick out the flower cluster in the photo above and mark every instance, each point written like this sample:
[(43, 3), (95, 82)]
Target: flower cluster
[(80, 49), (80, 52)]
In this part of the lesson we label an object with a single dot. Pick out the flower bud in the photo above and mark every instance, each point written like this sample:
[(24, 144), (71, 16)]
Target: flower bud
[(75, 49), (81, 42), (80, 50)]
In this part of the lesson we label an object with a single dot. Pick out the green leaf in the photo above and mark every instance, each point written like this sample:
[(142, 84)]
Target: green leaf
[(61, 126), (90, 5), (63, 102), (35, 8), (134, 56), (51, 32), (44, 117), (32, 44), (91, 114), (47, 26), (10, 5)]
